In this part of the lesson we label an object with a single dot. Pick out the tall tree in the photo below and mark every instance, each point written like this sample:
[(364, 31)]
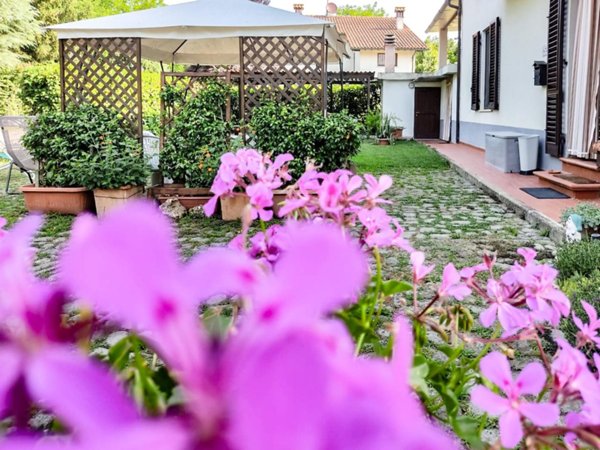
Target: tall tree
[(51, 12), (427, 61), (366, 10), (110, 7), (18, 29)]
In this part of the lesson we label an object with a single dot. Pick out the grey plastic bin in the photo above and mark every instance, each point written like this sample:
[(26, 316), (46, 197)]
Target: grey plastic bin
[(502, 150)]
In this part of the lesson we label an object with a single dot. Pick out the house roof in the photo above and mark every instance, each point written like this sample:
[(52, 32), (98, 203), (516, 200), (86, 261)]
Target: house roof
[(446, 17), (368, 33)]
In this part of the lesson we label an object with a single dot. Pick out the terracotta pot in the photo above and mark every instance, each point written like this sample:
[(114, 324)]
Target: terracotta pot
[(188, 197), (58, 199), (232, 206), (279, 197), (397, 133), (107, 199), (383, 141)]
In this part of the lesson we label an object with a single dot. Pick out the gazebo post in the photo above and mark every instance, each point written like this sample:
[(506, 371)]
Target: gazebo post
[(324, 72)]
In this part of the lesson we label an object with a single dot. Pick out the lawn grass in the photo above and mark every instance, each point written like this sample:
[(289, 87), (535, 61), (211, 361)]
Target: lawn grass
[(401, 156)]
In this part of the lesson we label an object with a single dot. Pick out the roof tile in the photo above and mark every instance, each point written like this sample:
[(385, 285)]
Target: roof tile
[(367, 33)]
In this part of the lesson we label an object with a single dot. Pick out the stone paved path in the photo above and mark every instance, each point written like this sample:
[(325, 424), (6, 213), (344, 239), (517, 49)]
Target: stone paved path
[(443, 214)]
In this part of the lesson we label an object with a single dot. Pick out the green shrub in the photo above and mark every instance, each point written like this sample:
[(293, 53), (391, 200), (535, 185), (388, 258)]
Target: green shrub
[(353, 99), (294, 128), (58, 140), (39, 89), (589, 212), (197, 137), (113, 167), (578, 258), (373, 123), (580, 288), (10, 103)]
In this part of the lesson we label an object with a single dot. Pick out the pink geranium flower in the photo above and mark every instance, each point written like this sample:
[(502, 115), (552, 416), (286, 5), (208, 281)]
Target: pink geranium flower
[(588, 332), (512, 409), (320, 395), (451, 284), (419, 269), (510, 317)]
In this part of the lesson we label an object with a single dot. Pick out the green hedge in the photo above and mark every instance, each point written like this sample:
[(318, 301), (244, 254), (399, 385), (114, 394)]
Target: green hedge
[(35, 89), (294, 128), (353, 99)]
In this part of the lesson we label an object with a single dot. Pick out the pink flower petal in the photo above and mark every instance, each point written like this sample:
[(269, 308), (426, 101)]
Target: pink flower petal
[(122, 262), (591, 312), (79, 391), (495, 367), (236, 274), (511, 430), (11, 362), (319, 271), (488, 316), (532, 379), (488, 401), (541, 414)]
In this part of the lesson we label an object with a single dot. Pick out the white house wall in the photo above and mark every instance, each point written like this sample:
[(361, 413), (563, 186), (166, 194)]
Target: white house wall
[(522, 106), (366, 61), (398, 101)]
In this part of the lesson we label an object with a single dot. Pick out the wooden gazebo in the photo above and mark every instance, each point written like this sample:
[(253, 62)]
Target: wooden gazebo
[(101, 59)]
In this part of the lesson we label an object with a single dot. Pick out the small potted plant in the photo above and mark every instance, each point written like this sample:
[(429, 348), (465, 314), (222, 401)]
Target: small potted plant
[(385, 130), (115, 175), (397, 129), (589, 214), (57, 140)]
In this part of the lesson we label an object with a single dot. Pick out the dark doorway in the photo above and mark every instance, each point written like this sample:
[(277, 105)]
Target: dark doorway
[(427, 112)]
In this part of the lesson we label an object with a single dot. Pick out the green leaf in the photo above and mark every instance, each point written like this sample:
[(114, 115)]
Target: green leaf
[(119, 354), (418, 373), (468, 429), (392, 287)]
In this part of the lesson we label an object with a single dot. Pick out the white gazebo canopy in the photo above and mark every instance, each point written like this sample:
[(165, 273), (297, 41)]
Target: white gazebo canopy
[(204, 31)]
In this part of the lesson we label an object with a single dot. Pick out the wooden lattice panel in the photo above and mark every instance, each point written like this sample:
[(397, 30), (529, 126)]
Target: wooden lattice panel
[(105, 72), (283, 68)]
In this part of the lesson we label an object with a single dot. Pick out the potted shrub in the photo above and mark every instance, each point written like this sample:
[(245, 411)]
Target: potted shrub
[(115, 175), (194, 142), (385, 130), (57, 140)]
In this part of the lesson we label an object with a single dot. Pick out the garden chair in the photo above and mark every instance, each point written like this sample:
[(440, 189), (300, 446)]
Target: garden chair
[(13, 128)]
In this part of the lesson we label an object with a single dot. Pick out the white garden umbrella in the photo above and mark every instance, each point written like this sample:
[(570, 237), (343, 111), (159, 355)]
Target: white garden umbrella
[(204, 31)]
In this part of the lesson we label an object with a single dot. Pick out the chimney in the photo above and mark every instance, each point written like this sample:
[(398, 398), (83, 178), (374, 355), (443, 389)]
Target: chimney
[(399, 10), (390, 53), (298, 8)]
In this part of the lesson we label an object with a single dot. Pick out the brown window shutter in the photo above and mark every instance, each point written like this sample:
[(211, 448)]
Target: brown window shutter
[(476, 70), (554, 92), (492, 66)]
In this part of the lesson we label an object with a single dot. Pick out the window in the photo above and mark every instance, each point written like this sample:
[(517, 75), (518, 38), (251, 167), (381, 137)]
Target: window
[(490, 41), (492, 65), (381, 59), (554, 94), (475, 71)]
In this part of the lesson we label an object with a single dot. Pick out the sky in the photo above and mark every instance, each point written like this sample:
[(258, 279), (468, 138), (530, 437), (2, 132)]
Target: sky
[(418, 15)]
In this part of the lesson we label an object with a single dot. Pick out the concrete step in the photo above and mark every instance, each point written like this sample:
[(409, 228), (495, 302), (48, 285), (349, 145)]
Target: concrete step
[(571, 184), (581, 167)]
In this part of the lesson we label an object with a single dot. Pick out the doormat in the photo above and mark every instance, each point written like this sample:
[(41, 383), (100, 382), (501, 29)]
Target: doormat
[(545, 193)]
